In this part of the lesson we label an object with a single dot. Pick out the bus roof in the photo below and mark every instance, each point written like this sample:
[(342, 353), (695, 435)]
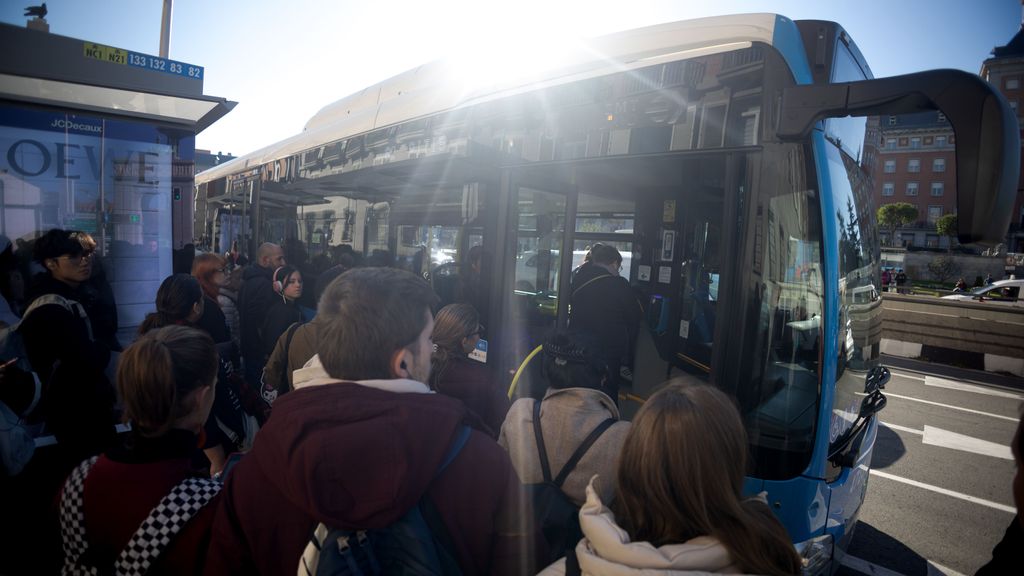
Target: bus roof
[(440, 86)]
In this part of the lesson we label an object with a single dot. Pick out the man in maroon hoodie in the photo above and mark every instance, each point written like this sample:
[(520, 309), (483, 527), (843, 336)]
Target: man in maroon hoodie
[(358, 444)]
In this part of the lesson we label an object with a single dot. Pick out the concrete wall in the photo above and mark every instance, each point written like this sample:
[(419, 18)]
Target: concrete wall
[(916, 266), (970, 334)]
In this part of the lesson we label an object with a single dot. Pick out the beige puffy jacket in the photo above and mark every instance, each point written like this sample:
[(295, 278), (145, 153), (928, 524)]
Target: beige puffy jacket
[(606, 550)]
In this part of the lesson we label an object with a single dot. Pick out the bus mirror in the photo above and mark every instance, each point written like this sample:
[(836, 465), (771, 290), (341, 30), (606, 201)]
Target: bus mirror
[(987, 135)]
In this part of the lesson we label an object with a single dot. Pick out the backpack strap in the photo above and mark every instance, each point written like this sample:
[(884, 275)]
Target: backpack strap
[(576, 456), (433, 517), (309, 562), (582, 449), (542, 452), (589, 282), (72, 521), (163, 523)]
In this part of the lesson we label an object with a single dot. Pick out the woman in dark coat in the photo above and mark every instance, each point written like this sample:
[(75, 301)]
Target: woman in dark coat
[(287, 283), (208, 269), (457, 330)]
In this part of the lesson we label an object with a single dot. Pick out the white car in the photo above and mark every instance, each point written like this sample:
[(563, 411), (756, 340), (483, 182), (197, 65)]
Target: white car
[(526, 267), (1000, 292)]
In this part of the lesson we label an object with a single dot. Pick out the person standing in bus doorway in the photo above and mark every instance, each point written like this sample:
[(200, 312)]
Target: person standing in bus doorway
[(254, 300), (601, 303)]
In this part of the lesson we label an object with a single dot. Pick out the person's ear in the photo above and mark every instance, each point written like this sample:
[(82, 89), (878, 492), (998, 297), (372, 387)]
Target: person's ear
[(401, 360), (51, 263)]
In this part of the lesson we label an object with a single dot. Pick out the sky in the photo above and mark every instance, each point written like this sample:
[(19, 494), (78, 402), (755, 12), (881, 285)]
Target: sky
[(284, 60)]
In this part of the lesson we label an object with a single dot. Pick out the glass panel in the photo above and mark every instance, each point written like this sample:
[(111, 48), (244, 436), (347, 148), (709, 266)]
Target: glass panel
[(778, 384), (533, 308), (110, 178), (860, 312)]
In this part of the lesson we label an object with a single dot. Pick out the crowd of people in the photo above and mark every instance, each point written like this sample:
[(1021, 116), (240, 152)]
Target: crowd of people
[(261, 437)]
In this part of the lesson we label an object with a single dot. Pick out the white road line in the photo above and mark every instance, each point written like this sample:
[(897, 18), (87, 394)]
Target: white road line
[(939, 569), (902, 428), (951, 407), (944, 491), (954, 385), (946, 439)]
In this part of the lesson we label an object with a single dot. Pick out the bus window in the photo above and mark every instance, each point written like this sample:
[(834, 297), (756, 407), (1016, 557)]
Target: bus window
[(533, 309), (606, 219)]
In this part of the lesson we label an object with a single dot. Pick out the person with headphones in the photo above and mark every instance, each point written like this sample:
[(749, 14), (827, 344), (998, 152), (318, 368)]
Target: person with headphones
[(285, 311)]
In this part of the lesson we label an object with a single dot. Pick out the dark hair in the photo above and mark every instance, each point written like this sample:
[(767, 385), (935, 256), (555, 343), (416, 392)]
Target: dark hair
[(156, 374), (680, 476), (452, 324), (282, 274), (175, 298), (575, 360), (369, 314), (605, 254), (57, 242)]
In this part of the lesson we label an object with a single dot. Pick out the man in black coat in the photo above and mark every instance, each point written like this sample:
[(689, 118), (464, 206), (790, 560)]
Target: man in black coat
[(254, 299), (602, 304), (77, 402)]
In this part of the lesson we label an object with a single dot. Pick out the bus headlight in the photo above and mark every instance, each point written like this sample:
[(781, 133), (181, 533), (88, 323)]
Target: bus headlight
[(815, 555)]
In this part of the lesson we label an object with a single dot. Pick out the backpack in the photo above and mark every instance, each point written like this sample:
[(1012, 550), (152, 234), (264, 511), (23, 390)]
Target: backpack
[(147, 543), (17, 441), (557, 515), (418, 543)]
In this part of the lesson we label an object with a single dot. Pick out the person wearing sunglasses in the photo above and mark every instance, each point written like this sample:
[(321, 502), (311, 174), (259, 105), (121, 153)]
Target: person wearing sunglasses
[(76, 404)]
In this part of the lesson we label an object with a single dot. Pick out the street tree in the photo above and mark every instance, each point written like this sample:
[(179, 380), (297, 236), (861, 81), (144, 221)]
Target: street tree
[(896, 215), (943, 268), (947, 226)]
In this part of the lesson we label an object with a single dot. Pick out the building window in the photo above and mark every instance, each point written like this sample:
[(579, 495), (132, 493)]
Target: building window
[(915, 142), (942, 117), (904, 142), (1012, 84), (892, 120), (928, 140), (888, 189), (914, 165), (890, 143), (911, 188), (934, 213), (938, 188), (890, 166), (932, 241), (940, 141), (939, 165)]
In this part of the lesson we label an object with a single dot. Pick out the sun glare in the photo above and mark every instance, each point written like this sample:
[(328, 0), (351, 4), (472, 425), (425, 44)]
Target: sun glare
[(500, 43)]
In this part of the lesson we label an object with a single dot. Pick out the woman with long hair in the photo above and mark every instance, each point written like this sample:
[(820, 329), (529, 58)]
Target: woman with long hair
[(166, 380), (456, 332), (679, 499), (209, 270), (287, 284), (180, 301)]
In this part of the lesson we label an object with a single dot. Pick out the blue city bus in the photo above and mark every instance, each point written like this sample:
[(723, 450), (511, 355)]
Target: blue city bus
[(724, 157)]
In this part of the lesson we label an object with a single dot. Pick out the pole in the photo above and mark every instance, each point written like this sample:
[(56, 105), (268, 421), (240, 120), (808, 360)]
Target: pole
[(165, 29)]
